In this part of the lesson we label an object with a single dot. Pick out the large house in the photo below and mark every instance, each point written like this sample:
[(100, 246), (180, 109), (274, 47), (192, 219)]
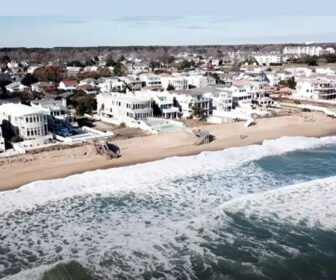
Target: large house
[(317, 89), (179, 83), (27, 122), (123, 108), (163, 105), (188, 100), (58, 116)]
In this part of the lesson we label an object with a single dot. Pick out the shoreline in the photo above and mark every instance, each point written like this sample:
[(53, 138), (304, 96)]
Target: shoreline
[(21, 170)]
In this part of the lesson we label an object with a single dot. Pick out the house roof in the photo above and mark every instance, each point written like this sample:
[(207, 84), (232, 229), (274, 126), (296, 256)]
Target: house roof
[(70, 83), (19, 109)]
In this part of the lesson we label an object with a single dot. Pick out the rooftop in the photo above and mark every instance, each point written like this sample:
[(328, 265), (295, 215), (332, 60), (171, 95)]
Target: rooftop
[(19, 110)]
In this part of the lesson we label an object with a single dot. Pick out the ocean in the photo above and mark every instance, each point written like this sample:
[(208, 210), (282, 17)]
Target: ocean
[(258, 212)]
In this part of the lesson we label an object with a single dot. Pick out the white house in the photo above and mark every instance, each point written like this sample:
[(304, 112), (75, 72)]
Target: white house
[(42, 86), (200, 81), (246, 93), (150, 80), (179, 83), (186, 100), (163, 100), (27, 122), (316, 89), (111, 84), (68, 85), (2, 141), (58, 116), (17, 87), (123, 108)]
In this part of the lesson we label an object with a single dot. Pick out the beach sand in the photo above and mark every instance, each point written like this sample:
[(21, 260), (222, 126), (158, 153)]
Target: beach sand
[(21, 170)]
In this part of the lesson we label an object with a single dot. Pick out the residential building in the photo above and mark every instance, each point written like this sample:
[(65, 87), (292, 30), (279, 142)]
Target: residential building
[(316, 89), (58, 116), (164, 102), (68, 85), (150, 80), (303, 50), (267, 59), (24, 121), (111, 85), (186, 100), (43, 87), (123, 108), (16, 87), (200, 81), (179, 83)]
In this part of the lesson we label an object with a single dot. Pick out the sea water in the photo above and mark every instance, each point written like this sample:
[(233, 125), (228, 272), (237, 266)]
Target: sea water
[(258, 212)]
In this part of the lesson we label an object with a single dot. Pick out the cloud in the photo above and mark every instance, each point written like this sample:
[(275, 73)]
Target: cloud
[(144, 20), (74, 21), (193, 27)]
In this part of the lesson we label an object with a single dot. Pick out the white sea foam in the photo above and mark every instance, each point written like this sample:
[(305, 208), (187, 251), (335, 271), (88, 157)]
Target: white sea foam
[(312, 204), (139, 177)]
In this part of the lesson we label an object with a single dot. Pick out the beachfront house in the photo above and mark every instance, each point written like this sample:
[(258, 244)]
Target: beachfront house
[(58, 116), (221, 99), (120, 108), (24, 121), (316, 89), (163, 103), (246, 93), (188, 100), (2, 141)]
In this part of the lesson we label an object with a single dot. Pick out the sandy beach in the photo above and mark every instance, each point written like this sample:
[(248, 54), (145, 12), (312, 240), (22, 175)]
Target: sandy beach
[(21, 170)]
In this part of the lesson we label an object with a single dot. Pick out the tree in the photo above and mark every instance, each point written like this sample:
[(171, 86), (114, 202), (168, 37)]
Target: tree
[(170, 87), (156, 109), (119, 69), (84, 104), (110, 62), (75, 63), (29, 79), (25, 97), (186, 64), (291, 83), (49, 74), (198, 112)]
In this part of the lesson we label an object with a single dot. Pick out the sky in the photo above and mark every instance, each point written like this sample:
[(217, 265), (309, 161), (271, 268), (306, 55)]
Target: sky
[(42, 23)]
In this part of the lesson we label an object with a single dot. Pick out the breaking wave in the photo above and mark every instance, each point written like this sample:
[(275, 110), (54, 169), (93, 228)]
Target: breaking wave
[(139, 177)]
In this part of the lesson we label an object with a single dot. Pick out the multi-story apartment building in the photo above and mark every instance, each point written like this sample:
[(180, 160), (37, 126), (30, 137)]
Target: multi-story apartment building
[(267, 59)]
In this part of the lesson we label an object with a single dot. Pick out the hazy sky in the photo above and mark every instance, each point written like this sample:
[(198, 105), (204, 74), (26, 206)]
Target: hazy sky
[(43, 23)]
